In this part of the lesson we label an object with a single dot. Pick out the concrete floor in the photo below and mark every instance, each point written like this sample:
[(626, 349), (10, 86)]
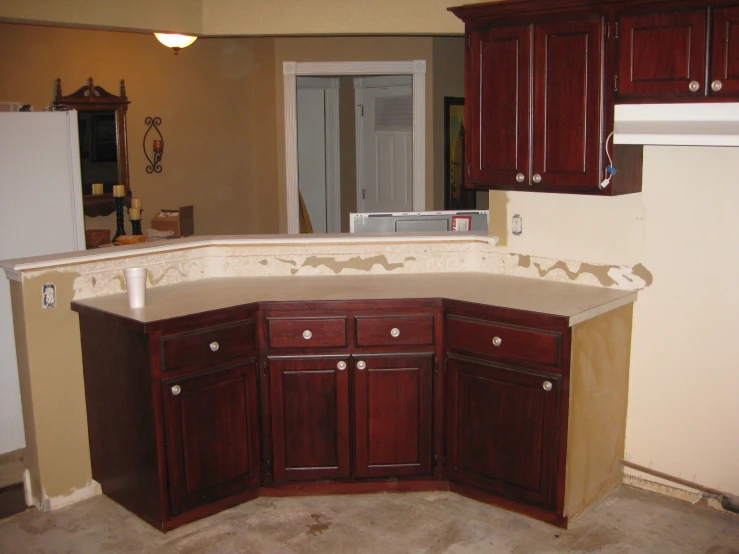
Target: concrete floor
[(630, 521)]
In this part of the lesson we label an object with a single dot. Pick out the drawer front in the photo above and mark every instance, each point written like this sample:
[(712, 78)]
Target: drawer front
[(395, 330), (504, 341), (306, 332), (213, 344)]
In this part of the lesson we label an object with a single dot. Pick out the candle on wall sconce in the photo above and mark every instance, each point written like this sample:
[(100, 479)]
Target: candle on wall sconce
[(97, 188), (157, 145), (119, 191)]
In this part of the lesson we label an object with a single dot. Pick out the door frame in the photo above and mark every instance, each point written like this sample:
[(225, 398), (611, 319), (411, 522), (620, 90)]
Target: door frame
[(360, 85), (292, 69)]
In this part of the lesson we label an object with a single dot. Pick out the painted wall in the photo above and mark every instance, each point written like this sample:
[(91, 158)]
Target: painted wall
[(682, 414)]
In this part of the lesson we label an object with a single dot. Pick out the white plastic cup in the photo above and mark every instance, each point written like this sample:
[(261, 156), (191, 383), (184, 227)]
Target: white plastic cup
[(136, 285)]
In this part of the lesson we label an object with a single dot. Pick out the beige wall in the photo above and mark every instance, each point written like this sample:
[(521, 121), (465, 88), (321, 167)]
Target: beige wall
[(684, 229), (214, 101)]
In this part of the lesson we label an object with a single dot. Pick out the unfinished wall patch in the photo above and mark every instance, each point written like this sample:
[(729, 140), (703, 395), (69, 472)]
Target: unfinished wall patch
[(356, 263), (600, 272), (643, 273), (290, 262)]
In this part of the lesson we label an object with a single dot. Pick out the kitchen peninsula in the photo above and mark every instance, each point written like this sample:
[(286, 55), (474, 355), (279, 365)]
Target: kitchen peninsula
[(287, 365)]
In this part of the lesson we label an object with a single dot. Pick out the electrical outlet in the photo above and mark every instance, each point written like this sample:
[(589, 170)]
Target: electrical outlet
[(48, 295), (516, 225)]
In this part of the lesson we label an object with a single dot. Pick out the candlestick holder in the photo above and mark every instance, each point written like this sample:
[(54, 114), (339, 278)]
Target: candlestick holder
[(136, 227), (119, 206)]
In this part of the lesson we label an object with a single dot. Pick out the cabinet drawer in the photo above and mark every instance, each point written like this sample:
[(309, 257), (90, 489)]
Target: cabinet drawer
[(395, 330), (505, 341), (212, 344), (306, 332)]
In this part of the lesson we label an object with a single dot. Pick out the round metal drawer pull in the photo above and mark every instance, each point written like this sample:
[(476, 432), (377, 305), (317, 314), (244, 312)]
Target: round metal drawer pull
[(341, 366), (717, 86), (537, 178), (547, 386), (176, 390), (497, 341), (214, 346), (361, 365), (520, 178), (307, 334), (694, 86), (395, 332)]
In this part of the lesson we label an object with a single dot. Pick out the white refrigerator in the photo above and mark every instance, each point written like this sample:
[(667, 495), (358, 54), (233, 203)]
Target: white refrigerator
[(40, 213)]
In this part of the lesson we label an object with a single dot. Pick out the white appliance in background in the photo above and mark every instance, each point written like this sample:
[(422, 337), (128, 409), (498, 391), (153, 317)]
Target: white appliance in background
[(40, 213), (412, 222)]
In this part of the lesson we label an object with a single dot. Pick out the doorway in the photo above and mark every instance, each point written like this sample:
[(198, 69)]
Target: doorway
[(291, 70)]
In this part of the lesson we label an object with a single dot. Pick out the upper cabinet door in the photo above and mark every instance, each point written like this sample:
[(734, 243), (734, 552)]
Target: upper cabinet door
[(568, 105), (724, 79), (663, 54), (498, 106)]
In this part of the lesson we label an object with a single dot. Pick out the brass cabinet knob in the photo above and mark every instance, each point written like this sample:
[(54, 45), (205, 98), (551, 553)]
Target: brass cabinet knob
[(361, 365), (497, 341), (341, 366), (307, 334), (717, 86), (395, 332), (214, 346), (536, 178), (520, 178), (176, 390), (547, 386), (694, 86)]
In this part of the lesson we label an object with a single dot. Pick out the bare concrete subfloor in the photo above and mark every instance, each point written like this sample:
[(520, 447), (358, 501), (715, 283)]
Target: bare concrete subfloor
[(630, 521)]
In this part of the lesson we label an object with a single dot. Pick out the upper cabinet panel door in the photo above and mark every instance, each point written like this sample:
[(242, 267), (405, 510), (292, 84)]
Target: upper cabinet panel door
[(724, 79), (567, 105), (663, 54), (498, 106)]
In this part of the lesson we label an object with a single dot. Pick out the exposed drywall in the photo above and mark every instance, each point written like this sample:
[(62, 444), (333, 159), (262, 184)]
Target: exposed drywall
[(680, 235), (212, 101)]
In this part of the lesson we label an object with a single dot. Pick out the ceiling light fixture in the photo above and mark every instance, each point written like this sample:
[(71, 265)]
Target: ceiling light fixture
[(175, 42)]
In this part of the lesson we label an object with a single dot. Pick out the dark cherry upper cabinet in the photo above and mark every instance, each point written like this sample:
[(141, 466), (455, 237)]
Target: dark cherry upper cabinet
[(503, 430), (211, 435), (725, 58), (310, 418), (393, 402)]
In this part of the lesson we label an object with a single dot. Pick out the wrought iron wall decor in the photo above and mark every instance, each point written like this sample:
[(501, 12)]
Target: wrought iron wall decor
[(157, 147)]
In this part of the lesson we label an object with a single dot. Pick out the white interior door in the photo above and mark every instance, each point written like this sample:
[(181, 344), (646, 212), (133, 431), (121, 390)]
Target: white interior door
[(384, 144)]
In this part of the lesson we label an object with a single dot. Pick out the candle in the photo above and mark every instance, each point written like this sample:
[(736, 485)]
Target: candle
[(158, 145), (97, 188), (134, 214), (136, 203), (119, 190)]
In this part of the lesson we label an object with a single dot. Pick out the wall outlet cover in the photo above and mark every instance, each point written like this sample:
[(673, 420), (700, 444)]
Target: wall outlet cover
[(517, 225), (48, 296)]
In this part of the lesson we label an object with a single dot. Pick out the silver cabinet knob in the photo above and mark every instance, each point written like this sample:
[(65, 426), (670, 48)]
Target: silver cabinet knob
[(520, 178), (341, 366), (361, 365), (694, 86), (547, 386), (214, 346), (536, 178), (307, 334), (176, 390), (497, 341), (717, 86), (395, 332)]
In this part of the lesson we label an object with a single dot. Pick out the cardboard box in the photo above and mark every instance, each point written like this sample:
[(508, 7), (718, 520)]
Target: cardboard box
[(181, 222)]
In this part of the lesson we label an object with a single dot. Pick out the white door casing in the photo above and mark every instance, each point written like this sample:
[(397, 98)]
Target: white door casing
[(384, 137), (416, 68)]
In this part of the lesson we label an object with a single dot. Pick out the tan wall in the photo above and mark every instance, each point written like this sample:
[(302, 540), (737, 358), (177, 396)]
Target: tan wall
[(331, 49), (348, 151), (215, 113), (683, 228), (183, 16)]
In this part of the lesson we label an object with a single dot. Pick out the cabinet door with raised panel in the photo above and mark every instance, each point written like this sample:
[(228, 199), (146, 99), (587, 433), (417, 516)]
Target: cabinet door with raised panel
[(310, 418), (568, 104), (725, 67), (503, 430), (498, 103), (393, 415), (662, 54), (211, 427)]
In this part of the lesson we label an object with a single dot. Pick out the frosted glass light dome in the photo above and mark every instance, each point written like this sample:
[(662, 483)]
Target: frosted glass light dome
[(174, 41)]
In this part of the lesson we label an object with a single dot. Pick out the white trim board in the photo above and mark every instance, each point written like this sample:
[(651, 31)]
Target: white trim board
[(290, 70)]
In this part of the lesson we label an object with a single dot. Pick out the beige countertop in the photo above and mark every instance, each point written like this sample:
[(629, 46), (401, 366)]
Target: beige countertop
[(576, 302)]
